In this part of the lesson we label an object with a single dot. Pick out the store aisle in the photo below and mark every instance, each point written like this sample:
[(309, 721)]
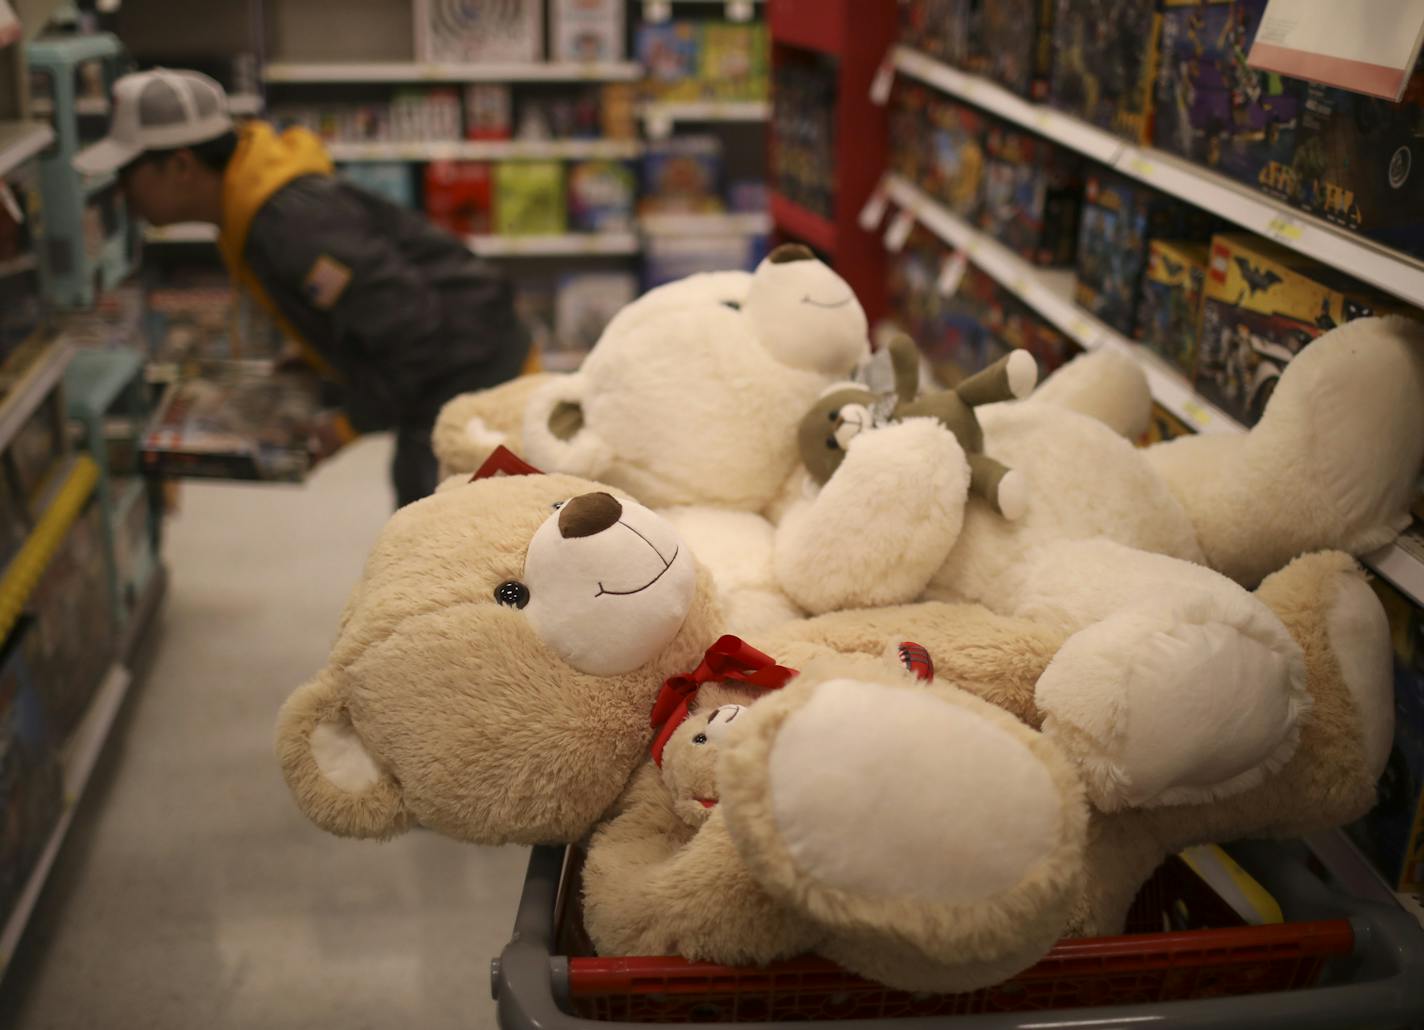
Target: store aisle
[(191, 893)]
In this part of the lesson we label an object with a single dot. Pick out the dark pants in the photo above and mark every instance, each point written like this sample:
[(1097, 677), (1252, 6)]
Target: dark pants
[(414, 470)]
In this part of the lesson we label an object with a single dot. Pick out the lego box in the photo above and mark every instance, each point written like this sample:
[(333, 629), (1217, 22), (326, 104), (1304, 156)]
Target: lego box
[(1017, 40), (586, 30), (944, 29), (1169, 312), (1105, 63), (1032, 194), (459, 196), (602, 195), (733, 61), (1211, 106), (1262, 305), (951, 168), (670, 54), (529, 198)]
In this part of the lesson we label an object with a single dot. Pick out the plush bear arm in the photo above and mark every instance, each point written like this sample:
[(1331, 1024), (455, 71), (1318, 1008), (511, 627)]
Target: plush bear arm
[(883, 524), (472, 425), (651, 889), (1106, 385)]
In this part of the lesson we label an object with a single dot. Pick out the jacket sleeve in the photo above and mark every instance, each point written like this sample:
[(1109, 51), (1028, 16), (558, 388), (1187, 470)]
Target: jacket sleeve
[(345, 285)]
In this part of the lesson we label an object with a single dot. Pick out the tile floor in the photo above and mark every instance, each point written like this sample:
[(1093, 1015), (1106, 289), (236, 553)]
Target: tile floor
[(190, 892)]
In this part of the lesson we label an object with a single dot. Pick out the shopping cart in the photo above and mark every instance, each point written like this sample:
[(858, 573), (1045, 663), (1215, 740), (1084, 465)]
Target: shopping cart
[(1337, 961)]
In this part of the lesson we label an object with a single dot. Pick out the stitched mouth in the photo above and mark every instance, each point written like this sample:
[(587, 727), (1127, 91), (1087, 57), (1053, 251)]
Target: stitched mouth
[(822, 304), (667, 564)]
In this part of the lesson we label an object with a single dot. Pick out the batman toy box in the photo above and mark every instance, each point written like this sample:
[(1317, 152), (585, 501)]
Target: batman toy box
[(1169, 308), (1032, 193), (1105, 63), (1263, 304)]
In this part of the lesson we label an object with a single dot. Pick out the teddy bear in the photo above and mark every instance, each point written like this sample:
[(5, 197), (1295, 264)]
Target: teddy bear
[(500, 667)]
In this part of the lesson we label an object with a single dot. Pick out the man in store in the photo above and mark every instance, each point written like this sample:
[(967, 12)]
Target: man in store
[(399, 313)]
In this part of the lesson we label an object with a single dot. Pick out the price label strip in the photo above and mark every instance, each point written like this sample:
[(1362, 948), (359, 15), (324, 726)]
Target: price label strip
[(881, 85), (739, 10), (951, 273), (874, 210), (1284, 229), (899, 231), (657, 10)]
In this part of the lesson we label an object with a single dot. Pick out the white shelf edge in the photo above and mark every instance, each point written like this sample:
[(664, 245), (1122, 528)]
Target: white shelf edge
[(16, 265), (568, 244), (182, 232), (1050, 294), (705, 110), (487, 150), (33, 385), (734, 224), (20, 141), (414, 71), (1395, 273), (244, 103), (78, 759)]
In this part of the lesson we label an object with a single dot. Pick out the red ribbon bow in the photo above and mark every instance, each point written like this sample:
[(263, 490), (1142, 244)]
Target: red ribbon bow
[(504, 462), (730, 658)]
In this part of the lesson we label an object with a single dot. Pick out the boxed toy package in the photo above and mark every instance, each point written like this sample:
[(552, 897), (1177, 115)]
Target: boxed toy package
[(586, 30), (803, 134), (944, 29), (669, 55), (618, 110), (562, 113), (529, 198), (489, 110), (31, 783), (1392, 834), (1017, 41), (1355, 162), (601, 196), (682, 175), (1021, 327), (939, 145), (1105, 63), (1032, 193), (952, 332), (583, 305), (469, 33), (667, 258), (1263, 304), (1162, 426), (1211, 106), (1119, 219), (734, 61), (389, 179), (459, 196), (1169, 312)]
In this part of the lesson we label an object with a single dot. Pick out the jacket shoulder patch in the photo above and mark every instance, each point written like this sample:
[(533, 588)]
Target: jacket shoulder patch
[(325, 282)]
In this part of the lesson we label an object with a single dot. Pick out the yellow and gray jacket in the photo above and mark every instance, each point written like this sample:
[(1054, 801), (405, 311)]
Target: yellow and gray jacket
[(399, 312)]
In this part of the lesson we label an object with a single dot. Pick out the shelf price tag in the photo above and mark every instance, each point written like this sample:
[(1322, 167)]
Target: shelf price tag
[(880, 86), (1196, 413), (951, 273), (1283, 229), (659, 124), (874, 210), (899, 231), (656, 10), (739, 10)]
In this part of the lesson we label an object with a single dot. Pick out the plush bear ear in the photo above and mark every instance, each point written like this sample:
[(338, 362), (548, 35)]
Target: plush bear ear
[(557, 436), (336, 782)]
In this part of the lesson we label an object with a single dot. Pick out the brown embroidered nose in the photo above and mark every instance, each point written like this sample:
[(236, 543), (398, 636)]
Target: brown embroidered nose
[(588, 514), (789, 252)]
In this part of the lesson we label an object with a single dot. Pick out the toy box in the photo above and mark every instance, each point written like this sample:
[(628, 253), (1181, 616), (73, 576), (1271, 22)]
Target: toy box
[(1169, 311), (618, 110), (1032, 193), (1262, 305), (682, 175), (31, 784), (601, 196), (489, 110), (1105, 63), (583, 305), (388, 179), (733, 61), (73, 638), (1119, 218), (1211, 107), (669, 55), (953, 333), (469, 33), (1017, 41), (1392, 834), (944, 29), (666, 258), (1162, 426), (1359, 162), (803, 134), (586, 30), (1020, 327), (459, 196), (564, 114), (529, 198)]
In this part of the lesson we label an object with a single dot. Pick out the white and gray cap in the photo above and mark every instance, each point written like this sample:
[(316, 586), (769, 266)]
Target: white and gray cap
[(157, 110)]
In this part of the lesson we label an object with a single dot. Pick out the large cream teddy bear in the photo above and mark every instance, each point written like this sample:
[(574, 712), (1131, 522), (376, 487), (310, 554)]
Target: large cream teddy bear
[(501, 664)]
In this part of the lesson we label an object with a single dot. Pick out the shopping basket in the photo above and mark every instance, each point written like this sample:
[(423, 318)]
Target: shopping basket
[(1338, 960)]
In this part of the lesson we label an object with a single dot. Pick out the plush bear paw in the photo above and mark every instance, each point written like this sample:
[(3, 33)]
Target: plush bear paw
[(1176, 702), (937, 839)]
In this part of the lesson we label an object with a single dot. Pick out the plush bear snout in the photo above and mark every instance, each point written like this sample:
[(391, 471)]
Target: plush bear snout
[(588, 515)]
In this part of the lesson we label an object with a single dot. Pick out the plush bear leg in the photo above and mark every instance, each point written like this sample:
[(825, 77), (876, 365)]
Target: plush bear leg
[(998, 484), (936, 839)]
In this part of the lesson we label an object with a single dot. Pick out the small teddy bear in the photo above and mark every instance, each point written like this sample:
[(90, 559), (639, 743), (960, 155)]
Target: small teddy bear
[(844, 412)]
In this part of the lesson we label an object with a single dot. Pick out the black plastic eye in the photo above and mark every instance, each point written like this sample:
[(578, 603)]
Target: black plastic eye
[(701, 738), (832, 415), (513, 593), (557, 505), (831, 443)]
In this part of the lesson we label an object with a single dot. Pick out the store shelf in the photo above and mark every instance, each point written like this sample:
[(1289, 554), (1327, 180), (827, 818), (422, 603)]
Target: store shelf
[(1388, 270), (20, 141), (32, 384), (79, 757), (744, 224), (568, 244), (244, 103), (16, 265), (659, 116), (817, 230), (407, 71), (736, 10), (1050, 293), (488, 150), (181, 232)]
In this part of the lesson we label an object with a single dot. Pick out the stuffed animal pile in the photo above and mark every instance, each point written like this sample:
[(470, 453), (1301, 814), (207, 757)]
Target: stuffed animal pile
[(991, 731)]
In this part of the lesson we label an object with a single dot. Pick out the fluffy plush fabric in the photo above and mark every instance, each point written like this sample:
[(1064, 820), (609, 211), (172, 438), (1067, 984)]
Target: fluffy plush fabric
[(1104, 384), (736, 546), (472, 425)]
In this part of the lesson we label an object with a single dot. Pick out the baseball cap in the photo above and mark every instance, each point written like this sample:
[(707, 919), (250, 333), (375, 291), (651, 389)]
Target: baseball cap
[(157, 110)]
